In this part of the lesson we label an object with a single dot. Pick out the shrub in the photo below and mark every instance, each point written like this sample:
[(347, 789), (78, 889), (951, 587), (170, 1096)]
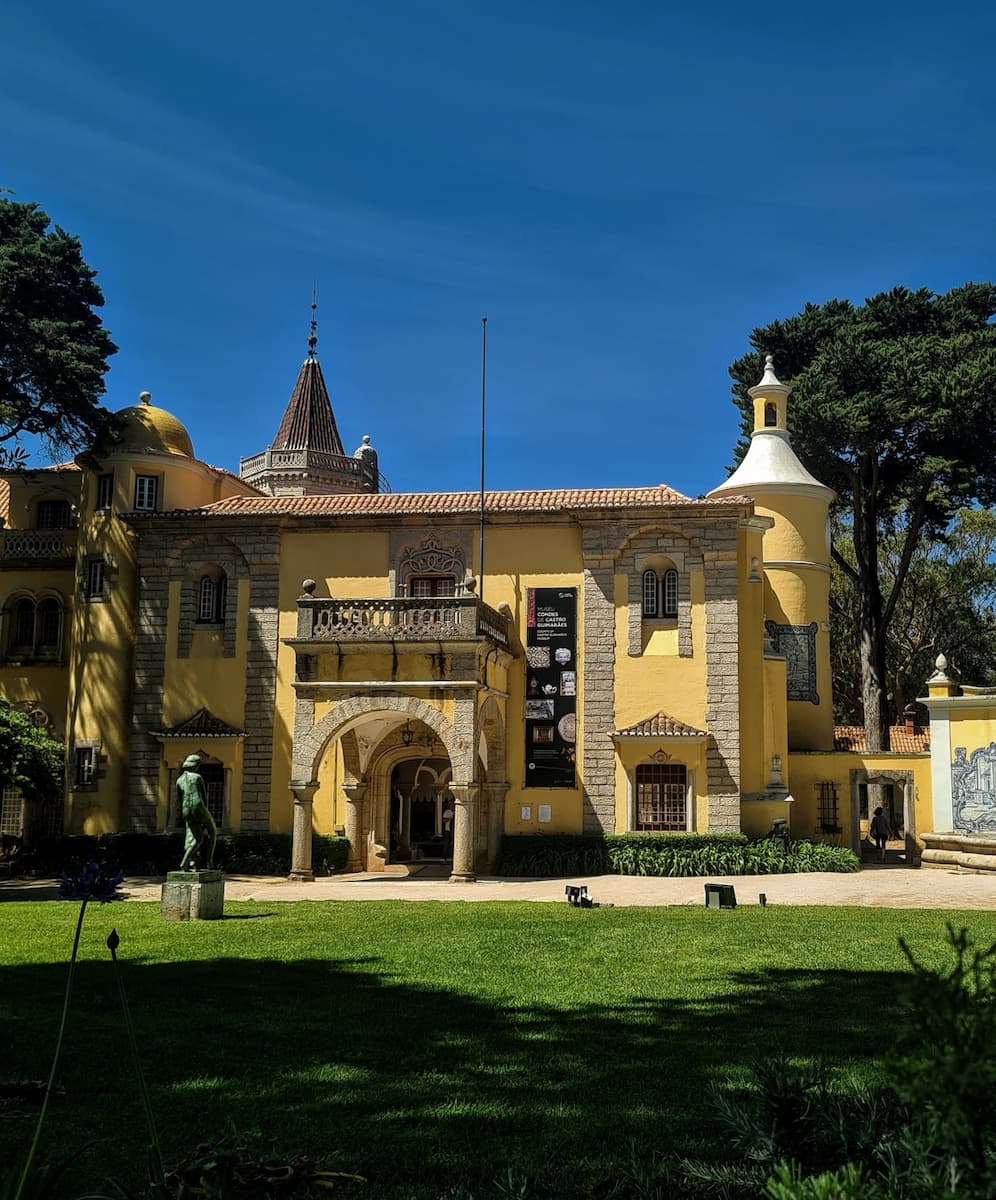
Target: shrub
[(675, 854), (157, 853)]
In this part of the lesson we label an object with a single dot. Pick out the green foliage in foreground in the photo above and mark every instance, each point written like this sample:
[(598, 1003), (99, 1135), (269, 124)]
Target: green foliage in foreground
[(157, 853), (676, 854), (438, 1048)]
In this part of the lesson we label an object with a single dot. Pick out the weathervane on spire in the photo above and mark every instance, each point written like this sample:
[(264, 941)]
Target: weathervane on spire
[(313, 335)]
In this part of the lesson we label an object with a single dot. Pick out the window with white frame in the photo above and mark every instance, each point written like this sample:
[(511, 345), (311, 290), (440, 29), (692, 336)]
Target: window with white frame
[(146, 492), (84, 767), (105, 491), (660, 593), (661, 798), (212, 592), (425, 586), (95, 578)]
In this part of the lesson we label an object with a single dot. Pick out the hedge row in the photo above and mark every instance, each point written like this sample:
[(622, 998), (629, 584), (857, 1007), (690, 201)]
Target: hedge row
[(666, 855), (157, 853)]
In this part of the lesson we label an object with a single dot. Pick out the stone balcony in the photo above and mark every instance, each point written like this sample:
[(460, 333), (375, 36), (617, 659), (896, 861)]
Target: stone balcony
[(354, 474), (37, 547), (400, 621)]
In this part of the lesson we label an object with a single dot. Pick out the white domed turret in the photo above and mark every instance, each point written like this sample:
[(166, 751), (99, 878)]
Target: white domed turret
[(796, 560)]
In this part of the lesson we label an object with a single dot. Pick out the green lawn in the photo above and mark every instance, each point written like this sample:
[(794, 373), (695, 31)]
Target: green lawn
[(426, 1044)]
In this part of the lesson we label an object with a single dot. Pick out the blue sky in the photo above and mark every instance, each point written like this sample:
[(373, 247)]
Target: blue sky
[(625, 191)]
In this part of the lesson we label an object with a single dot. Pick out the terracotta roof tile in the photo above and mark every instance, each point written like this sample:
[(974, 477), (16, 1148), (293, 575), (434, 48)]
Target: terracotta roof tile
[(901, 739), (437, 503), (660, 725), (202, 724)]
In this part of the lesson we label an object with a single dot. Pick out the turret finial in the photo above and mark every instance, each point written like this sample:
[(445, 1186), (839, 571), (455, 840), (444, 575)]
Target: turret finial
[(769, 375), (313, 335), (145, 397)]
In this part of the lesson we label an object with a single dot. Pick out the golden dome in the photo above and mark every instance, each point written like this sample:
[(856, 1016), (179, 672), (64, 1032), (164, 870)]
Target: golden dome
[(146, 427)]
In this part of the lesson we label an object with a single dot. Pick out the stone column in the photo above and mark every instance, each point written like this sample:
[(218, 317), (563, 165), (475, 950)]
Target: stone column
[(355, 793), (464, 810), (496, 820), (304, 799)]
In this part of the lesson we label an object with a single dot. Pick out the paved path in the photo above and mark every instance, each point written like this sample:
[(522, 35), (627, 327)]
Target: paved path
[(890, 887)]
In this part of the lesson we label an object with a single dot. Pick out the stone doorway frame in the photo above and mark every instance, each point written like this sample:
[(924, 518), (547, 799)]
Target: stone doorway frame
[(862, 775)]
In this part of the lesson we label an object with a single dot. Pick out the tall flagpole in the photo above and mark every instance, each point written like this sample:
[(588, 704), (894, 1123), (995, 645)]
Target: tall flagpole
[(484, 375)]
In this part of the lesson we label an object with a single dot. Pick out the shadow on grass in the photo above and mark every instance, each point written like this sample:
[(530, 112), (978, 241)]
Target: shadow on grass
[(415, 1087)]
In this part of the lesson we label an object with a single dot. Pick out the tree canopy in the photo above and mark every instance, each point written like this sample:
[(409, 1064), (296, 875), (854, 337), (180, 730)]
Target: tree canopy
[(31, 760), (53, 347), (948, 606), (892, 407)]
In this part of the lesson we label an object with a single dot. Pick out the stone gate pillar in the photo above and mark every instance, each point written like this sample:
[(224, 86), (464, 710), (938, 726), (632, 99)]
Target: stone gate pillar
[(465, 811), (496, 793), (304, 799)]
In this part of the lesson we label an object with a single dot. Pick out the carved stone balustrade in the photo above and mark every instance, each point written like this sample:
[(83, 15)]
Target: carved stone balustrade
[(38, 546), (444, 619), (363, 476)]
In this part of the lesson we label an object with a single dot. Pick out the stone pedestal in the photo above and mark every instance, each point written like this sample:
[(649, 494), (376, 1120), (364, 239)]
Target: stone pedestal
[(193, 896)]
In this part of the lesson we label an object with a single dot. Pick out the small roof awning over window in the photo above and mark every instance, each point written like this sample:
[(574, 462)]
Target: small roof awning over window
[(203, 724), (659, 726)]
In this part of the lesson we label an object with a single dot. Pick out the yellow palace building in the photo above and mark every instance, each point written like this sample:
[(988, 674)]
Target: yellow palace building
[(624, 660)]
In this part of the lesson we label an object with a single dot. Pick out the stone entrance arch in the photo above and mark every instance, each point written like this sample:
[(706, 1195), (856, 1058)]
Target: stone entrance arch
[(367, 771)]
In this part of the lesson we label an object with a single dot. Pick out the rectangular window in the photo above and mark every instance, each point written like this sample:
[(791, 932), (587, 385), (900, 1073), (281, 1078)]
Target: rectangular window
[(828, 814), (93, 586), (105, 491), (84, 763), (146, 492), (662, 797), (428, 586), (11, 812), (54, 514)]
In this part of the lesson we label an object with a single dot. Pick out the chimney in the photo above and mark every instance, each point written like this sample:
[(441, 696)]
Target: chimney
[(910, 723)]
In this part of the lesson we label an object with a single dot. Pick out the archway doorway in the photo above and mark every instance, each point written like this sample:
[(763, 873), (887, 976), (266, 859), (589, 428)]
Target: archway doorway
[(894, 791), (422, 811)]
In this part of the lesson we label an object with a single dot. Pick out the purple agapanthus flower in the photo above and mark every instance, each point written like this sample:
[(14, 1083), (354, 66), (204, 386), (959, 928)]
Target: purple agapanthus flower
[(91, 881)]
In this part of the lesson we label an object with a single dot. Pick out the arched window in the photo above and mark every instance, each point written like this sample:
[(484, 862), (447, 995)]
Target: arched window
[(35, 629), (660, 593), (770, 415), (212, 592), (661, 800), (48, 628)]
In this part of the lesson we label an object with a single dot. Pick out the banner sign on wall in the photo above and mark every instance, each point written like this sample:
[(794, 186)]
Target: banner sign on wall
[(551, 687)]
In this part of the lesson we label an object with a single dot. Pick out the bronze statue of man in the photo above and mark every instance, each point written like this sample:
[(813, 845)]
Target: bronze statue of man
[(202, 833)]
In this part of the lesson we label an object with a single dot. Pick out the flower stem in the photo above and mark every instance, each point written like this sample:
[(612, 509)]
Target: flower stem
[(55, 1060), (155, 1150)]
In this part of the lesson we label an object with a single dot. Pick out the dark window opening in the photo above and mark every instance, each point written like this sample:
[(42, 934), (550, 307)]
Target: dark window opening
[(429, 586), (661, 797)]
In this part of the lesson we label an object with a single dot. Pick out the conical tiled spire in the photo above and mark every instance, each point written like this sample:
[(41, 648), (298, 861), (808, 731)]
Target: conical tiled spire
[(308, 422), (306, 457)]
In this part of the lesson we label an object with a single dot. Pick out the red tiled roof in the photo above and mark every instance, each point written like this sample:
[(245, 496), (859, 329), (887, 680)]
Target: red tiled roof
[(438, 503), (901, 739), (660, 725), (308, 423), (202, 724)]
